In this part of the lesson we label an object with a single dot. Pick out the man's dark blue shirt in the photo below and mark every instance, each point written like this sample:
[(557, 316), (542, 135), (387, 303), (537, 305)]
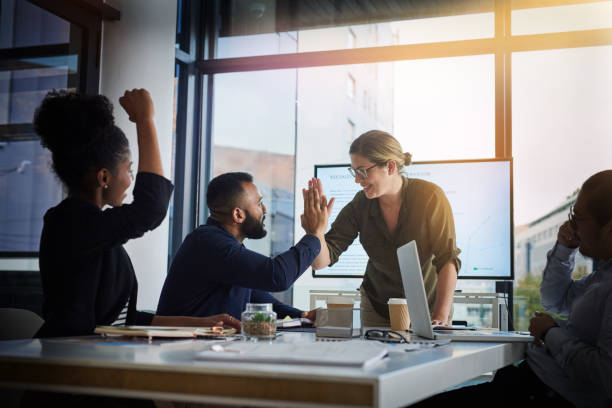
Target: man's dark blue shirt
[(214, 273)]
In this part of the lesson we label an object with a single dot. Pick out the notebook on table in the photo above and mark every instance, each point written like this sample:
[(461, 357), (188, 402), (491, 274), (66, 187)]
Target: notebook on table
[(164, 331), (414, 289), (299, 324)]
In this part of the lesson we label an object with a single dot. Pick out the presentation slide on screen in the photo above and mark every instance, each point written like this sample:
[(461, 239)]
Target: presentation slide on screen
[(479, 195)]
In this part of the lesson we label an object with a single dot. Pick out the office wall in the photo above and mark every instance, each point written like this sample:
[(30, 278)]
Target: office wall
[(138, 52)]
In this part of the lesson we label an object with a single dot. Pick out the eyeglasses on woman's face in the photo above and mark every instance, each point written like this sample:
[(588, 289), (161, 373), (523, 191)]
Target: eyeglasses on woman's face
[(361, 173)]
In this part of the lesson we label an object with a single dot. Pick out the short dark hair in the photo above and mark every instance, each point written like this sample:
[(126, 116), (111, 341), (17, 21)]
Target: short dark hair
[(599, 188), (225, 191), (81, 134)]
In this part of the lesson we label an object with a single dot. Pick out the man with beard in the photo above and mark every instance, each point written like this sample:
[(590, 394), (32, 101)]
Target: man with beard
[(570, 363), (213, 270)]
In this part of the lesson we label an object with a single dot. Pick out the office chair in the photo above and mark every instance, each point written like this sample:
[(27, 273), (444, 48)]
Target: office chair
[(18, 323)]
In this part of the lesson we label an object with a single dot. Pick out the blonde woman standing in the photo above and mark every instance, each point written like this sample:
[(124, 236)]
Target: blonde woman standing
[(389, 212)]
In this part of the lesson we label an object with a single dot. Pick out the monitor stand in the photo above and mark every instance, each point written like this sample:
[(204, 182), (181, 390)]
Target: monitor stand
[(506, 287)]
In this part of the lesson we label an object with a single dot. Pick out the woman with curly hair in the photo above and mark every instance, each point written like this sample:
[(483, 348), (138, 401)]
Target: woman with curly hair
[(87, 276)]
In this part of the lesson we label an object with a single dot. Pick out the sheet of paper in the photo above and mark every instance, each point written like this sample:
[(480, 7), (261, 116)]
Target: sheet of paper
[(348, 353)]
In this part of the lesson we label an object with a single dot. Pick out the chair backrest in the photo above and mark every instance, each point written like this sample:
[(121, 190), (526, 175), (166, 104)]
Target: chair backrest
[(18, 323)]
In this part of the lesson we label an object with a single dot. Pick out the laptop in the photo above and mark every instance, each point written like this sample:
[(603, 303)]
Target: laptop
[(412, 278)]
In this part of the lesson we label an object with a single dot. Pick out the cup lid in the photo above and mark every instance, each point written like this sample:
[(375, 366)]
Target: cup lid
[(397, 301)]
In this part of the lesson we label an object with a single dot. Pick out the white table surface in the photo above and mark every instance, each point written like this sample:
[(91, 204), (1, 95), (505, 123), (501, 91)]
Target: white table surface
[(170, 371)]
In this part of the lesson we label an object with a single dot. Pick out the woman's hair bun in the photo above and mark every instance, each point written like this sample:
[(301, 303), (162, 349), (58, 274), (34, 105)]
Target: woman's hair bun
[(67, 121), (407, 159)]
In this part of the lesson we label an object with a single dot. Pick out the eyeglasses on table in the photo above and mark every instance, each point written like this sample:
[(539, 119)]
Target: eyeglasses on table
[(389, 336)]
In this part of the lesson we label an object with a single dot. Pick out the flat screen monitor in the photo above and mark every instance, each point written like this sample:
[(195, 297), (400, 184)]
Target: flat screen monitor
[(480, 195)]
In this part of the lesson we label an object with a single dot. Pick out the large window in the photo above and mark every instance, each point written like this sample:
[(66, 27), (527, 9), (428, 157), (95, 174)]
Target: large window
[(287, 85), (44, 45)]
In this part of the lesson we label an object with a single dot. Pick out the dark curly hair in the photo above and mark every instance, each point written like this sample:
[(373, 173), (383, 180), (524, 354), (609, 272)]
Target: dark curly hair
[(81, 134)]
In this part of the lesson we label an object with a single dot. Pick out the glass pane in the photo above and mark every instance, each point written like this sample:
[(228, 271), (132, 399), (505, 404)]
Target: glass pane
[(178, 68), (22, 91), (561, 125), (49, 61), (183, 14), (254, 132), (573, 17), (22, 24), (28, 189), (445, 108), (439, 109), (250, 28)]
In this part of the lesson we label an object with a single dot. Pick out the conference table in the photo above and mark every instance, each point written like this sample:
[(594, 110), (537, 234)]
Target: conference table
[(170, 370)]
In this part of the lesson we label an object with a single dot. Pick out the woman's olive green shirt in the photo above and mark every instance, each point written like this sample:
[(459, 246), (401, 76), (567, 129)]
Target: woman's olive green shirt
[(425, 216)]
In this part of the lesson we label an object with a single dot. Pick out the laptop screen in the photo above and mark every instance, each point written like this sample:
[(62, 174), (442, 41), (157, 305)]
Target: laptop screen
[(414, 289)]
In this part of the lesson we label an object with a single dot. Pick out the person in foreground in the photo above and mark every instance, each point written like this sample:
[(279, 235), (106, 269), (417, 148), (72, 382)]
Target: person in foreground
[(570, 363), (87, 276), (213, 272), (389, 212)]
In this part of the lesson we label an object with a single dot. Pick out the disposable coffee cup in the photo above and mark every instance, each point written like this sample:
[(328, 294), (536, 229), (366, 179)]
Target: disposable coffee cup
[(398, 314), (339, 302)]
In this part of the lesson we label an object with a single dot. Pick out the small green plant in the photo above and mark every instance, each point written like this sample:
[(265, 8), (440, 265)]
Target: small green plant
[(259, 325), (261, 318), (527, 297)]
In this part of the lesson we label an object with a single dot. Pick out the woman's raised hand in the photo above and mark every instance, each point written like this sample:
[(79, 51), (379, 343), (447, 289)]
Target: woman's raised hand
[(316, 184), (316, 209), (138, 104), (139, 107)]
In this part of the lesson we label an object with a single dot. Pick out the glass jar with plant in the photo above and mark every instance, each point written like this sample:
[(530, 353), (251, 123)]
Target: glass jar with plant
[(259, 320)]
